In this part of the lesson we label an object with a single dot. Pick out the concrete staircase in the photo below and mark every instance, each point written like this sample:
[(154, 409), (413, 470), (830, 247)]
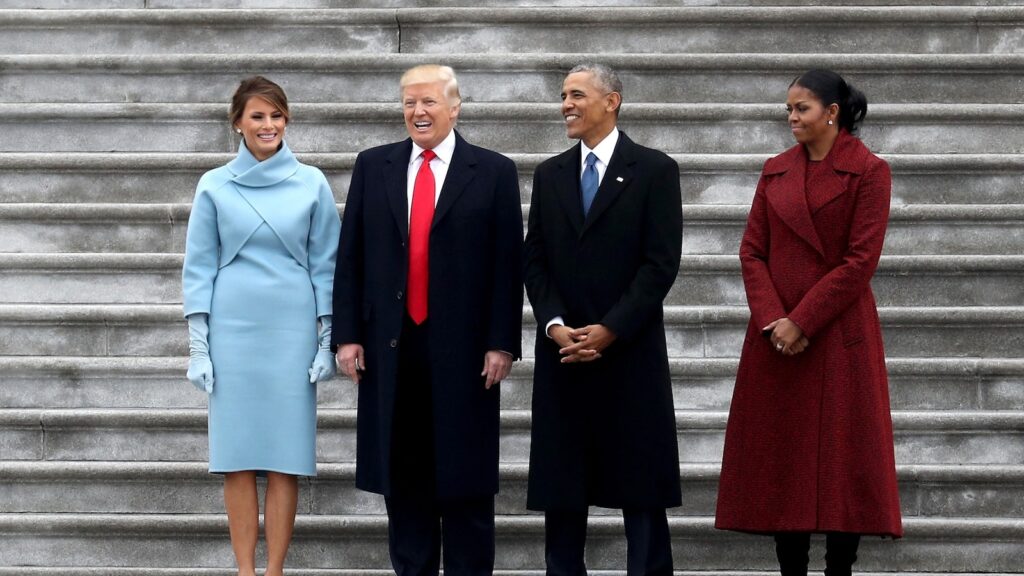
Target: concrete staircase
[(110, 116)]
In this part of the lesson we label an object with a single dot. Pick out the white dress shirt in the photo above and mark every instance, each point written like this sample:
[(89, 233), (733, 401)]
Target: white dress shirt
[(439, 166), (604, 150)]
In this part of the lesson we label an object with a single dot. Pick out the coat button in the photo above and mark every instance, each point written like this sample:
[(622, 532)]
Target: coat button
[(393, 343), (399, 295)]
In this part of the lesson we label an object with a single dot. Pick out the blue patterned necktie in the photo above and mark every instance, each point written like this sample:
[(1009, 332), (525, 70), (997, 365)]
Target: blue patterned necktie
[(588, 184)]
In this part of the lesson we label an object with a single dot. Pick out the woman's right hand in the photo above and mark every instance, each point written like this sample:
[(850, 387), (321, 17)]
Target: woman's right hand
[(200, 368), (786, 337), (200, 373)]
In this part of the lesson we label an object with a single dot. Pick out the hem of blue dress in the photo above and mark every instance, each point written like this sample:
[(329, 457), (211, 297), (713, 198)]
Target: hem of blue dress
[(263, 471)]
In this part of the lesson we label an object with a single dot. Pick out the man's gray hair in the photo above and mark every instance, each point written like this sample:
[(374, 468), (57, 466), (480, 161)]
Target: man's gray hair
[(606, 78)]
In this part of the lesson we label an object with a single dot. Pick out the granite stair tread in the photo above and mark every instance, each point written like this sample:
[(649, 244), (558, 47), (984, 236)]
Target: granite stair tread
[(349, 127), (155, 487), (715, 228), (354, 77), (532, 29), (349, 541), (705, 178)]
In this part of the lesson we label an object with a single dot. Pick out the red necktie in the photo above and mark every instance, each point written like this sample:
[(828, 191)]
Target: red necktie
[(419, 240)]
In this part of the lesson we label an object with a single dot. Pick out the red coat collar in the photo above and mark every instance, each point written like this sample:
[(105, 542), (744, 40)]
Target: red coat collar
[(848, 154)]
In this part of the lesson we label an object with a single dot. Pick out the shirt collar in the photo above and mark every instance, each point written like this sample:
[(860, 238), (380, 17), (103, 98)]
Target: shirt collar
[(445, 150), (603, 150)]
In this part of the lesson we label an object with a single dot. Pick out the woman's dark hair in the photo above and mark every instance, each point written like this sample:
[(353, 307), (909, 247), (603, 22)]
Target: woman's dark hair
[(831, 89), (257, 86)]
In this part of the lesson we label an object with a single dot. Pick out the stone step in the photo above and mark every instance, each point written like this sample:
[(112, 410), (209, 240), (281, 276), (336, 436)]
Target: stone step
[(908, 280), (186, 487), (196, 31), (131, 178), (817, 551), (155, 278), (505, 77), (921, 437), (263, 4), (508, 127), (342, 542), (708, 229), (698, 383), (143, 571), (908, 29), (691, 331)]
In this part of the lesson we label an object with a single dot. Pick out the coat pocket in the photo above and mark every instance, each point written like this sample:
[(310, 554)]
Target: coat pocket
[(853, 326)]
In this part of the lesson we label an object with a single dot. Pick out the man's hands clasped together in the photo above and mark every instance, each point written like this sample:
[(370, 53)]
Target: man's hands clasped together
[(581, 344), (787, 338)]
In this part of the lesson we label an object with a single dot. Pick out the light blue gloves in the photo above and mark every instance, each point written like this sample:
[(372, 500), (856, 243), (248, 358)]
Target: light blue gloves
[(324, 367), (200, 369)]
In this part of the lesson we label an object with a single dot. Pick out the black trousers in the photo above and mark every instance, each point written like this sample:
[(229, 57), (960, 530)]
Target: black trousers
[(840, 552), (648, 545), (419, 524)]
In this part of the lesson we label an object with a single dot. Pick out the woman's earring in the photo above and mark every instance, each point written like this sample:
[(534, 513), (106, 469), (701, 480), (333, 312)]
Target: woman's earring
[(239, 130), (829, 123)]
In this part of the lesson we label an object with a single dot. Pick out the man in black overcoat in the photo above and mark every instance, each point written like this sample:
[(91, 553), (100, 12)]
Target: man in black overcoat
[(427, 320), (602, 250)]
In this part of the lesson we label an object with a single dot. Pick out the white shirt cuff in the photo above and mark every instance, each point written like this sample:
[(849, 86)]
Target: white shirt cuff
[(556, 320)]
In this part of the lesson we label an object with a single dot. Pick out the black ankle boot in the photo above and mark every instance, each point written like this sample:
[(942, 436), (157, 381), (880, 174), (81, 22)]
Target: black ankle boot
[(840, 553), (791, 550)]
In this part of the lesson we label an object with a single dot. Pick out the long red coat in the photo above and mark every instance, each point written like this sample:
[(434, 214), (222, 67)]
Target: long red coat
[(809, 443)]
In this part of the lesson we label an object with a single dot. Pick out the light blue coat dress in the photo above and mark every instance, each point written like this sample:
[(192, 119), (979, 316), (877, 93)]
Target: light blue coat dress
[(259, 259)]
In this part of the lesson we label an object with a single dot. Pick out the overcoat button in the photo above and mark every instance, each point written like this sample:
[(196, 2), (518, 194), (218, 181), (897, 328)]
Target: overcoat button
[(399, 295), (394, 343)]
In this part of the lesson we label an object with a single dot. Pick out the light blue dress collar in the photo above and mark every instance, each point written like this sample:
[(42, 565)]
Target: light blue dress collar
[(250, 172)]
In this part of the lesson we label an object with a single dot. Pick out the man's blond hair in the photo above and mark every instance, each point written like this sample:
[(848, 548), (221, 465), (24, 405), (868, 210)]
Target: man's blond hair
[(426, 73)]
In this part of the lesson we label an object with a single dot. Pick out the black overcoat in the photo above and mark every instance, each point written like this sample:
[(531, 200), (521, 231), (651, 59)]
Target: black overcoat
[(475, 301), (604, 432)]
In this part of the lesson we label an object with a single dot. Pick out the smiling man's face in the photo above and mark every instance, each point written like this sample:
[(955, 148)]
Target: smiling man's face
[(588, 110), (429, 115)]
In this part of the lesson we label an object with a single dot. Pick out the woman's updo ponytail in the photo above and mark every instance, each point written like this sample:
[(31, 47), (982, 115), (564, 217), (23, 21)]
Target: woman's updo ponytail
[(831, 89)]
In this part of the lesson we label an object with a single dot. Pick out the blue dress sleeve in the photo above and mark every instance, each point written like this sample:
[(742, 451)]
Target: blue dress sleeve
[(322, 247), (202, 254)]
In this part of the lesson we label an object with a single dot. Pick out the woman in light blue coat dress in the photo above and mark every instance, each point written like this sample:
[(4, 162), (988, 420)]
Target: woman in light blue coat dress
[(257, 281)]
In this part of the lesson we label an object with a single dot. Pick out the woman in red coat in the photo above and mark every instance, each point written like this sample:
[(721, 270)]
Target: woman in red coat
[(809, 446)]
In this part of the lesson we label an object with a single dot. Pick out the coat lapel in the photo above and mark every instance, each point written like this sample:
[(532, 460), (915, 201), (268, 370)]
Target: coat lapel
[(848, 156), (616, 177), (787, 194), (461, 171), (567, 187), (396, 172)]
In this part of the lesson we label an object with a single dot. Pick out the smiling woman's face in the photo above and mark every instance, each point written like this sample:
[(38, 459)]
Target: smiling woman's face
[(262, 126)]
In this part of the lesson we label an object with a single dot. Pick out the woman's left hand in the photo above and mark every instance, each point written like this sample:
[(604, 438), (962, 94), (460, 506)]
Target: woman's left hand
[(323, 367)]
